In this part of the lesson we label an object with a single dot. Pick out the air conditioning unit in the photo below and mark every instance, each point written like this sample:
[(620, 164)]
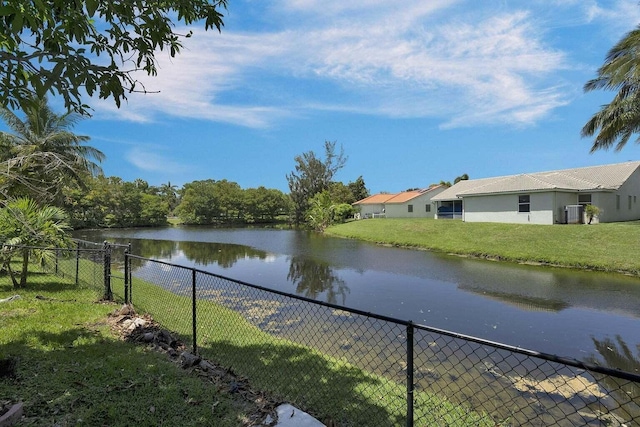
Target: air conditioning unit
[(574, 214)]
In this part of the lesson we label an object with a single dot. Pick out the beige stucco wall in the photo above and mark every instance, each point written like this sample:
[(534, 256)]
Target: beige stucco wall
[(504, 208), (401, 210), (369, 209), (561, 200), (607, 202)]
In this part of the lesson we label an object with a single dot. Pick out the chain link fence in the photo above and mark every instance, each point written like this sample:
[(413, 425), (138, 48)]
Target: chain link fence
[(348, 367), (351, 368), (82, 265)]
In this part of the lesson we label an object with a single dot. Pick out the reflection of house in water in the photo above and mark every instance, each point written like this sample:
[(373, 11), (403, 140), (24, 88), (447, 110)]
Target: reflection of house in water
[(549, 289), (523, 302)]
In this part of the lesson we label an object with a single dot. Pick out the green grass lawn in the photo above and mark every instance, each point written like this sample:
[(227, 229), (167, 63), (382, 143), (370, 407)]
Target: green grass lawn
[(72, 370), (606, 247)]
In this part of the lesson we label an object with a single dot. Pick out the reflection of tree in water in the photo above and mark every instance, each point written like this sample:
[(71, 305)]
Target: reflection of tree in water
[(312, 278), (162, 249), (223, 254), (618, 355)]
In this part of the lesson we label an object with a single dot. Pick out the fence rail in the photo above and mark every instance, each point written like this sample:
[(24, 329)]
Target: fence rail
[(349, 367)]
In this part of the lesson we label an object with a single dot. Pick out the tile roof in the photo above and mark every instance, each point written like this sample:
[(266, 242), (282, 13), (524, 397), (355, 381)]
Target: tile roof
[(402, 197), (604, 177)]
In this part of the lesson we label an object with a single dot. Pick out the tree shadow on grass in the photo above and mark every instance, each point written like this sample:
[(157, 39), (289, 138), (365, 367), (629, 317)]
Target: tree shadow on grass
[(335, 392), (79, 376), (43, 282)]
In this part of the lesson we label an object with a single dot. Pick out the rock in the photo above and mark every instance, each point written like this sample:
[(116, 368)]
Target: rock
[(131, 324), (147, 337), (125, 310), (206, 365), (12, 416), (189, 360), (165, 336)]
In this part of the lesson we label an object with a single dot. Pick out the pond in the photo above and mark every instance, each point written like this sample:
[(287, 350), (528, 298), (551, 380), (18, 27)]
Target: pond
[(588, 316)]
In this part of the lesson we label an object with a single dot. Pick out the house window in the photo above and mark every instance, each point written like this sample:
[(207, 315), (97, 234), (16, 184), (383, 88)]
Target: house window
[(617, 201), (524, 203), (427, 208), (584, 199), (629, 202), (410, 208)]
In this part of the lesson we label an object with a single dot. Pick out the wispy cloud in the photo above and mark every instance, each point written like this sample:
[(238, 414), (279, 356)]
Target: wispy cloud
[(619, 15), (443, 59), (151, 160)]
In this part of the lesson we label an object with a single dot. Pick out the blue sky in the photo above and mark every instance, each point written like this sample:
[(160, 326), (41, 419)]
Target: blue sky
[(415, 91)]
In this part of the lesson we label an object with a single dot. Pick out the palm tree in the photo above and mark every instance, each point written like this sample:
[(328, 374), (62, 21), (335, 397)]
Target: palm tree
[(617, 121), (24, 223), (41, 154), (169, 194)]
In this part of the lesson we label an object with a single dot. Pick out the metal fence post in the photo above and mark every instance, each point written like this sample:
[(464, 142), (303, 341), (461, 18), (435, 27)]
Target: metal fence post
[(410, 374), (127, 296), (193, 301), (108, 295), (129, 275), (57, 254), (77, 262)]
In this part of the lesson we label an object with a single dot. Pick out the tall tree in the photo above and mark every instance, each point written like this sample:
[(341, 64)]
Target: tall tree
[(23, 222), (358, 189), (313, 175), (93, 46), (41, 154), (617, 121)]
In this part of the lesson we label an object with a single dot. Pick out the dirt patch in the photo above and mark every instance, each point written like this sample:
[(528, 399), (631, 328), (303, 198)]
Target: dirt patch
[(143, 330)]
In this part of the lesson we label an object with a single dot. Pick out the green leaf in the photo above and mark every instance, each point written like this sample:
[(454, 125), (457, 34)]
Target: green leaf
[(16, 25), (92, 6), (6, 10)]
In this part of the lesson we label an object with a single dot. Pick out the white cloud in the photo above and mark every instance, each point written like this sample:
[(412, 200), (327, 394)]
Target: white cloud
[(417, 59), (150, 160), (619, 15)]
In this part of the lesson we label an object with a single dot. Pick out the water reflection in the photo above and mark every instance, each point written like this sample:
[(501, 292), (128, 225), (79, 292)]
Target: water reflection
[(552, 310), (618, 355), (223, 254), (313, 278)]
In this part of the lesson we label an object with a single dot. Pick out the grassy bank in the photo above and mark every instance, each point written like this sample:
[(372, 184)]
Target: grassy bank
[(606, 247), (71, 370)]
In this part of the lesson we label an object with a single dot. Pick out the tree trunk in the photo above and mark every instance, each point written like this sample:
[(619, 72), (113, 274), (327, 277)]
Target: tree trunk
[(16, 285), (25, 268)]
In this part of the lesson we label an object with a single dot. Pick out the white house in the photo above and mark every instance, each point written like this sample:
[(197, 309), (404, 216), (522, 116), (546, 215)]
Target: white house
[(408, 204), (554, 197)]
